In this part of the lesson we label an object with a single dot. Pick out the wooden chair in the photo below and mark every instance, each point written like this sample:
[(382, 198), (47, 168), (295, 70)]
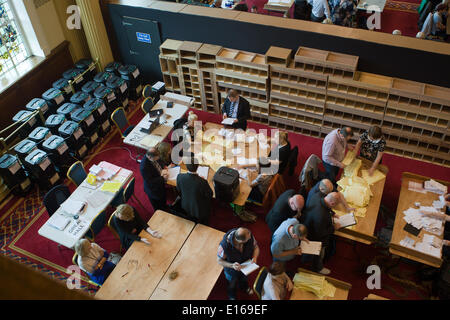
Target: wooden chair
[(259, 282), (76, 173), (75, 263), (276, 188)]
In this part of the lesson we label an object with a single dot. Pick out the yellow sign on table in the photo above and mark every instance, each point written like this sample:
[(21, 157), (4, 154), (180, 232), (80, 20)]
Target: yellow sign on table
[(91, 179), (111, 186)]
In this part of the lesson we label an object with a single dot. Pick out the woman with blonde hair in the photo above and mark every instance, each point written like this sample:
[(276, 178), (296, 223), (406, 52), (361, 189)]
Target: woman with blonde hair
[(165, 153), (129, 225), (95, 261)]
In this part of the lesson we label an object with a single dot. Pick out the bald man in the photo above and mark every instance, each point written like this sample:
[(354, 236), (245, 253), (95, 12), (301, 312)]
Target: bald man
[(325, 187), (237, 246), (288, 205), (155, 175), (317, 217)]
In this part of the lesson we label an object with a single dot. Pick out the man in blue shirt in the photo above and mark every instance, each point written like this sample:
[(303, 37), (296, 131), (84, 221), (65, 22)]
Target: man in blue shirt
[(286, 240)]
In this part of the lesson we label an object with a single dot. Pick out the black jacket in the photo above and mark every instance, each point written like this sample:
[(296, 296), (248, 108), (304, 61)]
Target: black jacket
[(243, 113), (283, 157), (281, 211), (154, 184), (317, 217), (196, 196), (125, 228)]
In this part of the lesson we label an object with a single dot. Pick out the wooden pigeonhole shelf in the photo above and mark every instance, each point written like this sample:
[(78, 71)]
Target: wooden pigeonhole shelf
[(169, 61)]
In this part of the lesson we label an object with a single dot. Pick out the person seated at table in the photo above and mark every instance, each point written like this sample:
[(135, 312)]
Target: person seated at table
[(286, 240), (155, 174), (261, 183), (237, 246), (288, 205), (325, 187), (95, 261), (129, 225), (195, 192), (165, 153), (281, 141), (317, 217), (237, 108), (277, 283), (372, 145)]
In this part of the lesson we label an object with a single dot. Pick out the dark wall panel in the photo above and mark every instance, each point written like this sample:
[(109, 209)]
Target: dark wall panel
[(375, 58)]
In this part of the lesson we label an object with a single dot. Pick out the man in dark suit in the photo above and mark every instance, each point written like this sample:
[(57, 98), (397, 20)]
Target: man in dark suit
[(288, 205), (237, 108), (195, 192), (155, 175)]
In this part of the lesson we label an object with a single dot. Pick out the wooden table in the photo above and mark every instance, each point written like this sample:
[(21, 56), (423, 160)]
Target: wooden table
[(371, 5), (146, 265), (406, 201), (374, 297), (364, 229), (282, 7), (145, 141), (342, 289), (196, 265), (91, 211), (251, 152)]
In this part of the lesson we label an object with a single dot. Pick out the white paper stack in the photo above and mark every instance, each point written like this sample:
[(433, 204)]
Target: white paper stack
[(407, 242), (203, 172), (435, 187), (59, 222), (95, 170), (173, 173), (347, 220), (416, 187), (313, 247), (73, 207), (430, 245), (249, 267), (228, 122)]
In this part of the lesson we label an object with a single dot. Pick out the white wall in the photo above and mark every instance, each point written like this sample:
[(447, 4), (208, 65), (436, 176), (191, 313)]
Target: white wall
[(41, 26)]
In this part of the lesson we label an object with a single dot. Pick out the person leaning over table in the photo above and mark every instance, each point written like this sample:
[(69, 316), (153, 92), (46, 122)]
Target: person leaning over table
[(286, 240), (333, 151), (372, 145), (277, 283), (165, 152), (325, 187), (237, 108), (129, 225), (195, 193), (288, 205), (318, 219), (155, 174), (95, 261), (237, 246)]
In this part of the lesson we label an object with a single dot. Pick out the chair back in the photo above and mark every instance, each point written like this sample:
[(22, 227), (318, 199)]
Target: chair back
[(76, 173), (112, 226), (277, 187), (259, 282), (129, 191), (75, 259), (147, 105), (96, 226), (120, 120), (147, 91), (55, 197)]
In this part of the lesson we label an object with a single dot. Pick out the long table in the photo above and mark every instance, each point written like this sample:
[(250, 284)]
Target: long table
[(363, 231), (251, 151), (84, 192), (145, 271), (282, 7), (342, 289), (142, 140), (407, 200)]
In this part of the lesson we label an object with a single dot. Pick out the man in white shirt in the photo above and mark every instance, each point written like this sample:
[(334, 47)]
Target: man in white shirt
[(320, 10)]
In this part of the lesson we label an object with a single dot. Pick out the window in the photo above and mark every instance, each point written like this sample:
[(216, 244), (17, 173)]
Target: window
[(13, 49)]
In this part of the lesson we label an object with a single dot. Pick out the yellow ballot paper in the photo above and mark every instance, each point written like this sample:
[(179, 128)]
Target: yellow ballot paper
[(91, 179), (349, 157), (315, 284), (353, 168), (377, 176), (111, 186), (356, 191), (360, 212)]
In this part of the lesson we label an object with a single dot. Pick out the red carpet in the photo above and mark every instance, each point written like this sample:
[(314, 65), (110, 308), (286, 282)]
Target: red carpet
[(20, 220)]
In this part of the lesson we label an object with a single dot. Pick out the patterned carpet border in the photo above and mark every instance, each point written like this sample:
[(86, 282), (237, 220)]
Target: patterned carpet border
[(402, 6)]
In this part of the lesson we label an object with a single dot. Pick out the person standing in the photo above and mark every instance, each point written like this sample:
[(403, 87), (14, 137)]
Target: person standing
[(155, 175), (237, 108), (333, 151), (288, 205), (320, 10), (372, 144), (237, 246), (286, 240)]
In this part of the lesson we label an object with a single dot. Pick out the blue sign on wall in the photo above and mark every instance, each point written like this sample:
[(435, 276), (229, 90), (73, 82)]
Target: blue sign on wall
[(143, 37)]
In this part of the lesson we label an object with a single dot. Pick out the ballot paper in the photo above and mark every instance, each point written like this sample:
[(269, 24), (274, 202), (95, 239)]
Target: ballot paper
[(97, 199), (313, 247), (416, 187), (96, 170), (360, 212), (111, 186), (316, 284), (356, 191), (347, 220), (353, 168), (435, 187), (173, 173), (249, 267), (73, 207), (349, 157), (430, 245), (377, 176), (416, 218), (407, 242), (203, 172), (59, 222), (228, 121)]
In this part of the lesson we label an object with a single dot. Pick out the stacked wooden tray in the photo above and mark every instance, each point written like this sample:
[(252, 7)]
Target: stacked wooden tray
[(189, 73), (206, 63), (169, 60)]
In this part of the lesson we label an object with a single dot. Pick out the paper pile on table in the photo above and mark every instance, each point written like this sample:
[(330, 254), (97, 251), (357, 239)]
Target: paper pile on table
[(416, 218), (356, 191), (416, 187), (377, 176), (353, 168), (435, 187), (430, 245), (315, 284)]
